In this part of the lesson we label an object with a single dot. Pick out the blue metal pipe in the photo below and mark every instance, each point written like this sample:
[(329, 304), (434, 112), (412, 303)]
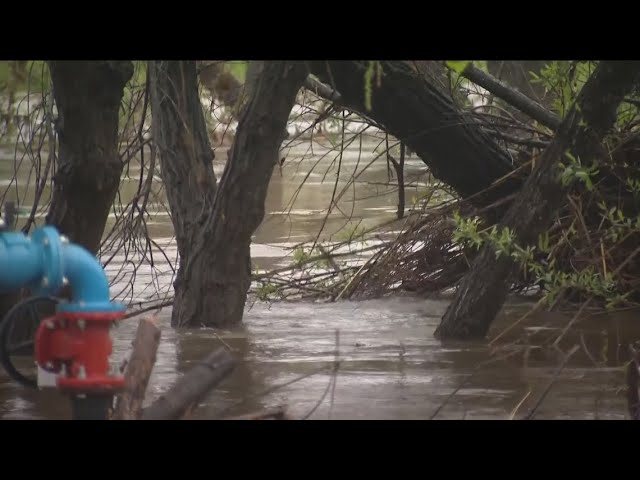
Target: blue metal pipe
[(20, 262), (88, 281), (46, 261)]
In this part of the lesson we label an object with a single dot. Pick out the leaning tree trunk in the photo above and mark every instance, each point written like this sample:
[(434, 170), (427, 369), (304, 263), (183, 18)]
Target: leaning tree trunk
[(411, 107), (87, 96), (215, 270), (483, 290)]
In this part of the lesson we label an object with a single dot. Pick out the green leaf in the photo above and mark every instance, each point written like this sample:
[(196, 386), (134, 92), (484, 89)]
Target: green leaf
[(458, 66), (373, 67), (238, 69)]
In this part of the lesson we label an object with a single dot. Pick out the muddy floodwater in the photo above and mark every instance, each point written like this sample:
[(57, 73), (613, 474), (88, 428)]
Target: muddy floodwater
[(390, 365)]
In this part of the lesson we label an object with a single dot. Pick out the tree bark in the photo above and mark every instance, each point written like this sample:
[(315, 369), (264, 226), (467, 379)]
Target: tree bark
[(192, 387), (180, 136), (254, 72), (139, 368), (411, 107), (215, 274), (87, 96), (483, 290)]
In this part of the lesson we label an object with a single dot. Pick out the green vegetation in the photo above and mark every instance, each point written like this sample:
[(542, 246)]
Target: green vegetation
[(238, 69), (23, 76), (546, 263)]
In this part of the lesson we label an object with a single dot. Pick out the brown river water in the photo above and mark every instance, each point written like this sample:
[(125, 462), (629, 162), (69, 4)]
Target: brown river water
[(391, 366)]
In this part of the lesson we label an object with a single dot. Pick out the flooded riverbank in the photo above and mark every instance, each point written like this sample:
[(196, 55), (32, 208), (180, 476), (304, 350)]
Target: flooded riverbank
[(391, 367)]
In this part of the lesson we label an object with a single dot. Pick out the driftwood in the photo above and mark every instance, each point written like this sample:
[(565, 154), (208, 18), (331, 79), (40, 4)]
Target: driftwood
[(192, 387), (138, 372), (275, 413)]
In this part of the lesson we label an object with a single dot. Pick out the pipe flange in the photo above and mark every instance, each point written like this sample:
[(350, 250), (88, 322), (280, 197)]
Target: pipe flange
[(52, 266)]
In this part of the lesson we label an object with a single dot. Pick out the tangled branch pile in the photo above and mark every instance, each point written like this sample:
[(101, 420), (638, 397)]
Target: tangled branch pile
[(590, 253)]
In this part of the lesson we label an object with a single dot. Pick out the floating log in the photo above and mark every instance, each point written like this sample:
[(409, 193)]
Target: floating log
[(192, 387)]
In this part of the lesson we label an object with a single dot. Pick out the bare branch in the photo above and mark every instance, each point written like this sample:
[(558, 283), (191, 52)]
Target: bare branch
[(512, 97)]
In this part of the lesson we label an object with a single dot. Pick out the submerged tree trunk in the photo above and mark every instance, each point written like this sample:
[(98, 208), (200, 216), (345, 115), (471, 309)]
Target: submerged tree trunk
[(87, 96), (483, 290), (212, 285), (411, 107), (214, 235)]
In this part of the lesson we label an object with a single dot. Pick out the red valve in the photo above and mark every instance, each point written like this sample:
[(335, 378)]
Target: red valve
[(77, 347)]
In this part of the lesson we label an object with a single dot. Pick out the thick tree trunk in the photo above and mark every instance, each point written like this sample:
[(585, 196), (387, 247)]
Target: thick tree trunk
[(212, 284), (180, 136), (483, 290), (88, 96), (254, 71), (411, 107), (214, 236)]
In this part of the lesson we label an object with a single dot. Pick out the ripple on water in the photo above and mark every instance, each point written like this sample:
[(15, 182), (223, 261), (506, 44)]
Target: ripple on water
[(391, 368)]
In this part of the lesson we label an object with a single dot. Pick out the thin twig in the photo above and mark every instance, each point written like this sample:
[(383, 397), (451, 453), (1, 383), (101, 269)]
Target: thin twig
[(535, 408)]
